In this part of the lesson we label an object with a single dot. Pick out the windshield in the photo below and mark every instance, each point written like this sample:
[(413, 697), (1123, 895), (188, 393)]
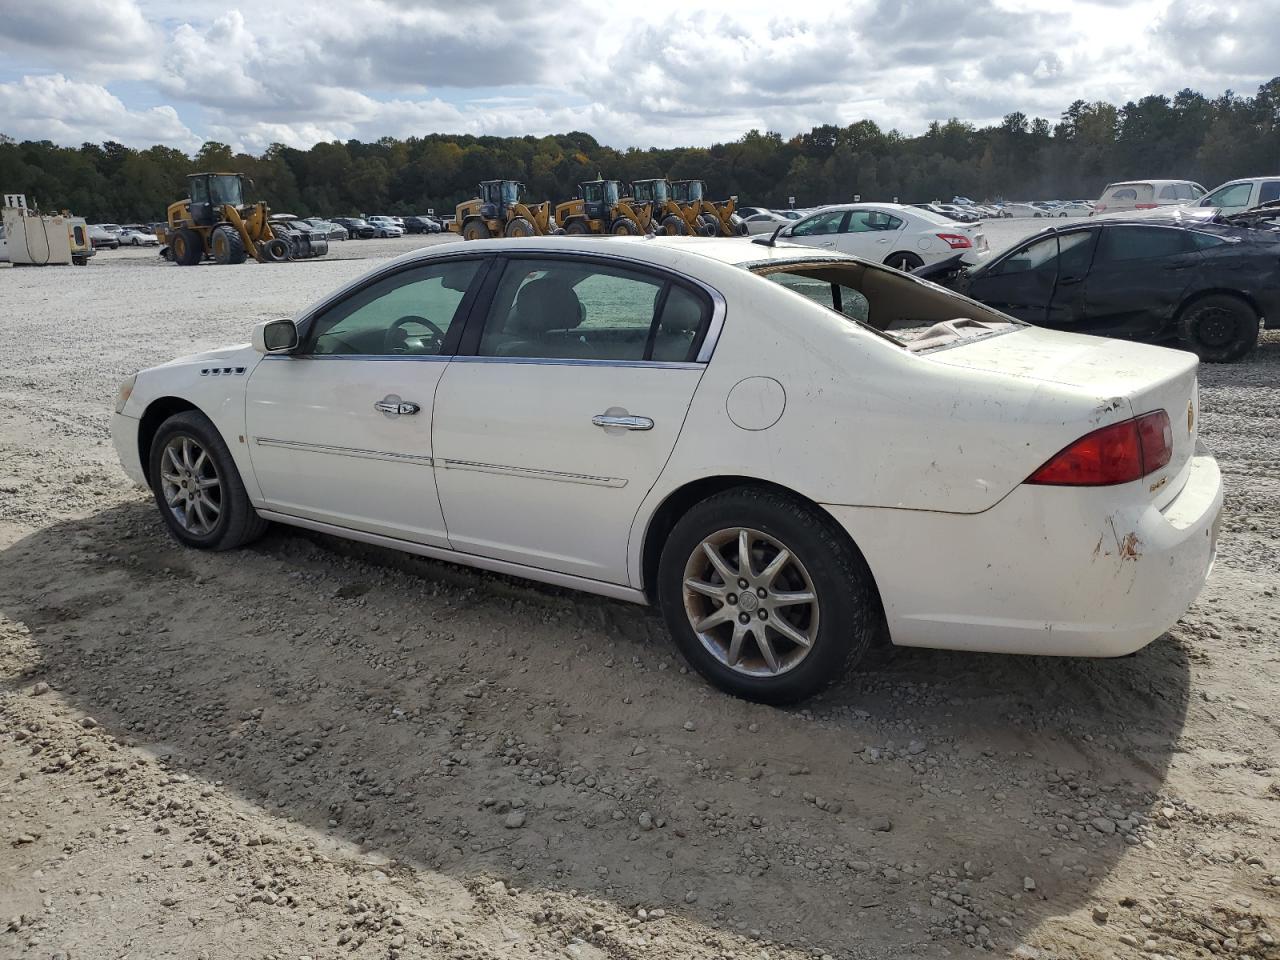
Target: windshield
[(511, 191), (611, 192), (695, 190)]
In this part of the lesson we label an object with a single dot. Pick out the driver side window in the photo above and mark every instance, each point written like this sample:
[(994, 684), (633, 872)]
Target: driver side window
[(412, 313)]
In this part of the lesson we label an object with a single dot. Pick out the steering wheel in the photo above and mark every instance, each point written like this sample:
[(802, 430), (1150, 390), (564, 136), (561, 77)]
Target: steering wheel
[(397, 341)]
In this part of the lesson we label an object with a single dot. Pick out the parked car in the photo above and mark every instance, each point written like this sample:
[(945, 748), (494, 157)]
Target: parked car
[(132, 237), (326, 228), (901, 236), (1147, 195), (421, 224), (100, 236), (357, 227), (748, 212), (1239, 195), (303, 241), (1020, 210), (1200, 283), (708, 481), (385, 227), (766, 222), (791, 214)]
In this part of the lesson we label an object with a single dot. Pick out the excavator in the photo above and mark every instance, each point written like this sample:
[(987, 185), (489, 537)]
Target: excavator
[(600, 208), (214, 222), (501, 211)]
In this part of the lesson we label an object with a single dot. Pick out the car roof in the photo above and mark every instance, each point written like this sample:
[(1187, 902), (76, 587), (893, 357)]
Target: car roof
[(664, 250), (1148, 183)]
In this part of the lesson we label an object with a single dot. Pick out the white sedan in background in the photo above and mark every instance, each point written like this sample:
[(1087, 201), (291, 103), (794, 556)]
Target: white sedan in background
[(385, 227), (765, 222), (891, 233), (137, 238), (792, 452)]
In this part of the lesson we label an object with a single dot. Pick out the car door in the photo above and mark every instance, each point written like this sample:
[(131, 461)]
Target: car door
[(1067, 308), (562, 408), (872, 234), (340, 430), (819, 230), (1021, 282), (1136, 282)]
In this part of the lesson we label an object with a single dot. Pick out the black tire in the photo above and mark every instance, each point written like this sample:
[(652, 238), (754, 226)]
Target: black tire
[(80, 261), (903, 260), (708, 225), (277, 250), (1219, 328), (237, 522), (625, 227), (187, 247), (520, 227), (475, 229), (848, 612), (228, 247), (673, 226), (578, 228)]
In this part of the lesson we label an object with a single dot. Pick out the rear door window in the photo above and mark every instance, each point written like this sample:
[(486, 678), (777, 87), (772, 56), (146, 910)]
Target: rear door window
[(1269, 192), (569, 309), (1121, 244), (863, 221)]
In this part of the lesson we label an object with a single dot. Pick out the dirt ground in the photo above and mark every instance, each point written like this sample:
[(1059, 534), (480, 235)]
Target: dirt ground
[(311, 749)]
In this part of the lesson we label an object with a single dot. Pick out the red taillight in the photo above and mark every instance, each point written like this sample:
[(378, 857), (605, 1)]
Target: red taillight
[(955, 241), (1120, 453), (1147, 206)]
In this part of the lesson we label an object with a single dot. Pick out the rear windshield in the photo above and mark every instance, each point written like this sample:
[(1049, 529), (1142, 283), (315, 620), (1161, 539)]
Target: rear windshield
[(935, 218), (913, 314)]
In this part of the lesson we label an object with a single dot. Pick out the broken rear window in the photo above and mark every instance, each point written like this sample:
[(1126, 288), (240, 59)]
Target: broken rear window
[(914, 314)]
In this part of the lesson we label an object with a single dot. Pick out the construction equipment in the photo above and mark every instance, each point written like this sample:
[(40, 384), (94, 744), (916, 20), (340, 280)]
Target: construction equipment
[(214, 222), (666, 216), (500, 211), (601, 208), (31, 238), (715, 217)]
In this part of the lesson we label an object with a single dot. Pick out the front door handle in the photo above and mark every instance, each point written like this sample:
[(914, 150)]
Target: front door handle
[(393, 406), (626, 423)]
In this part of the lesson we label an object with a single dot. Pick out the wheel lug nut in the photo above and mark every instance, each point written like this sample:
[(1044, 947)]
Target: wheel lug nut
[(743, 584), (764, 614), (733, 599), (762, 593), (744, 618)]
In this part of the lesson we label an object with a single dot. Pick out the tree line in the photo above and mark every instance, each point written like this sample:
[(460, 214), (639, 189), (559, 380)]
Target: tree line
[(1188, 136)]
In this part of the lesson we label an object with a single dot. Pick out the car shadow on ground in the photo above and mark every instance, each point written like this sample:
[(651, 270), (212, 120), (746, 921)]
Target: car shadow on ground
[(478, 726)]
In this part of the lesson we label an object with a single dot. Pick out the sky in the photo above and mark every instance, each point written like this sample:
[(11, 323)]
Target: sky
[(657, 73)]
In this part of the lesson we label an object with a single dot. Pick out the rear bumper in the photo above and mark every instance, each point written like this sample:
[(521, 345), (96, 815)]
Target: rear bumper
[(1049, 570), (124, 437)]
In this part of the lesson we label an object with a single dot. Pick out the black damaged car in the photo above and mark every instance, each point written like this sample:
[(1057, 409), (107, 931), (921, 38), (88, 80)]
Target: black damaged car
[(1206, 284)]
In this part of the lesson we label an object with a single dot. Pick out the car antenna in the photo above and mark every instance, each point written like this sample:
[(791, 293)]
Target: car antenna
[(772, 240)]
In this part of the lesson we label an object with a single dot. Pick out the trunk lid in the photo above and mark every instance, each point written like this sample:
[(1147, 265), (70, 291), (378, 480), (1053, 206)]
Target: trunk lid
[(1127, 379)]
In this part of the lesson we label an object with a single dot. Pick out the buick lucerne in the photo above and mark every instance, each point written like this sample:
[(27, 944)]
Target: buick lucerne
[(792, 452)]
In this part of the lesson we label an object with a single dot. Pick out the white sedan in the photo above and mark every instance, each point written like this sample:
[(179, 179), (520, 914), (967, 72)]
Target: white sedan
[(137, 238), (892, 233), (765, 222), (792, 452)]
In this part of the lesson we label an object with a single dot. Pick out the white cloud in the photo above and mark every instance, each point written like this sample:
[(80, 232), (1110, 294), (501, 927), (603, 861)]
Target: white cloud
[(51, 107), (666, 73)]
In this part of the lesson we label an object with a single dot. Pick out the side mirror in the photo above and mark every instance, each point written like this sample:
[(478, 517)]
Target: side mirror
[(275, 336)]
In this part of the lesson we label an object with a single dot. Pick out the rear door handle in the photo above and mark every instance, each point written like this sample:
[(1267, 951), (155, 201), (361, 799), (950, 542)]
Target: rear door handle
[(393, 406), (626, 423)]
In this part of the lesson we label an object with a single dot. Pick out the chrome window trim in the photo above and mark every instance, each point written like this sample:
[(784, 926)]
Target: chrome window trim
[(584, 362), (411, 458), (377, 357)]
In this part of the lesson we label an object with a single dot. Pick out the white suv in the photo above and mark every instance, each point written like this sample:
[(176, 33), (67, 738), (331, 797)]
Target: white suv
[(1147, 195), (1237, 195)]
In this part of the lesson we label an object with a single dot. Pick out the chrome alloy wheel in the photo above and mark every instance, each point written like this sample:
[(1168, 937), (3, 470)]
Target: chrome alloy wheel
[(751, 602), (191, 486)]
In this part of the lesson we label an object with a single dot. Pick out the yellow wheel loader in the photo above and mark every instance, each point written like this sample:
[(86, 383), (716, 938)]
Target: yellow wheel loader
[(214, 222), (666, 216), (501, 211), (600, 208), (711, 218)]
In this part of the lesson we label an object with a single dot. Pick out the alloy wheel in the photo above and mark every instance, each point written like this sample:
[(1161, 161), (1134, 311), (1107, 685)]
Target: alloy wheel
[(751, 602), (191, 486)]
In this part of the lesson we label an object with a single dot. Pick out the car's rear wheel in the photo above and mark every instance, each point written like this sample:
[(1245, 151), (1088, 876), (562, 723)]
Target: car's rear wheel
[(1220, 328), (197, 486), (903, 260), (765, 596)]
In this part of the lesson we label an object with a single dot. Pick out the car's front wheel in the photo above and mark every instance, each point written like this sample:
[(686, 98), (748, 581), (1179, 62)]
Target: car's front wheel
[(765, 596), (197, 486)]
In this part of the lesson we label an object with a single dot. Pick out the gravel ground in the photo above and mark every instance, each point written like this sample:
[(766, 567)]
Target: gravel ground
[(316, 749)]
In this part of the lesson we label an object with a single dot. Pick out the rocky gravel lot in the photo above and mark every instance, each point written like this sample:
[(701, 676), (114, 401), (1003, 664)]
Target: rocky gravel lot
[(315, 749)]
